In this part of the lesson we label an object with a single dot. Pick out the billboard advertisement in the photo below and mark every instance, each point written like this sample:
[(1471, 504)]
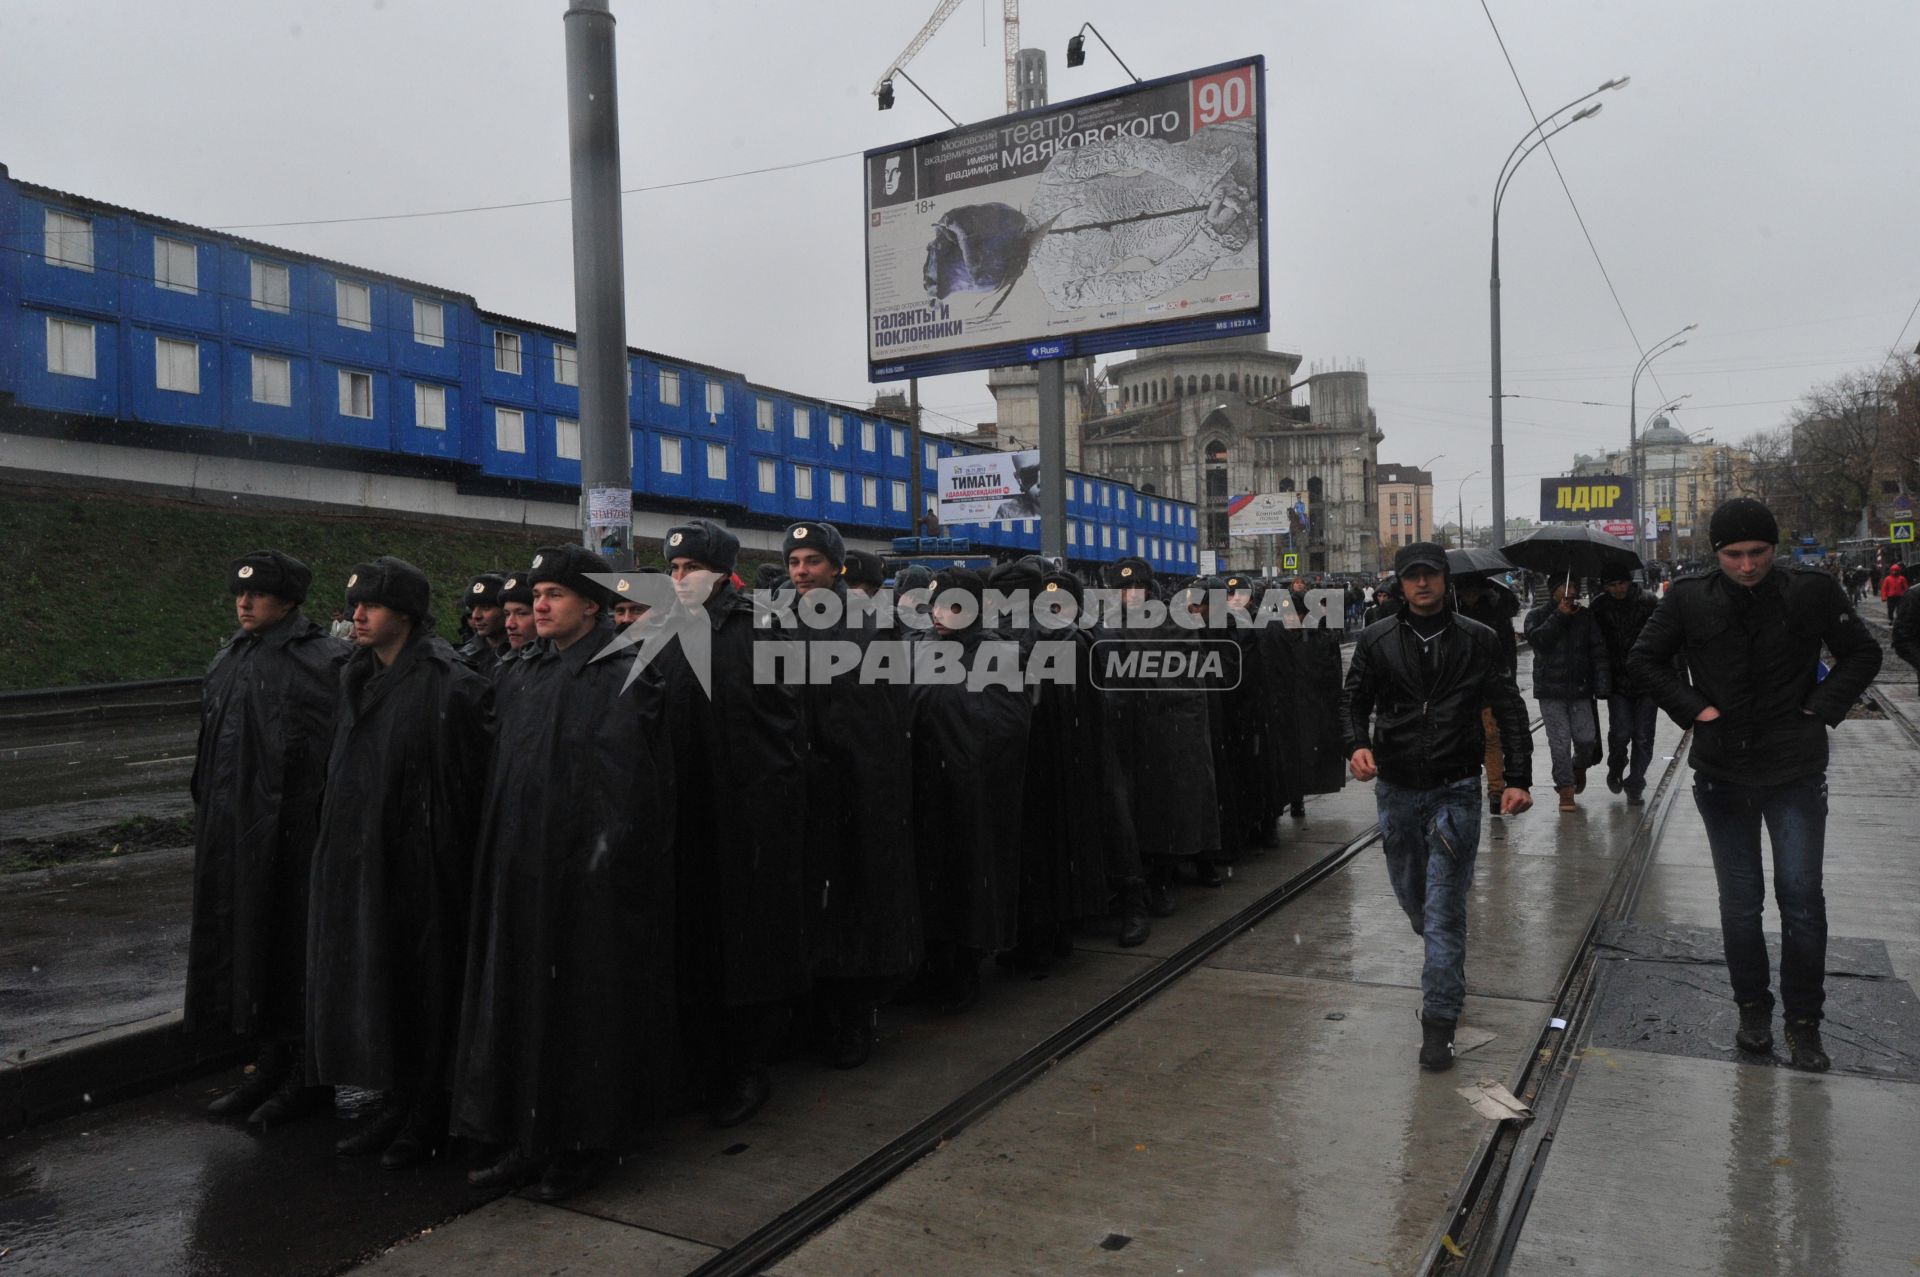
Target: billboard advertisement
[(993, 485), (1265, 514), (1586, 499), (1114, 222)]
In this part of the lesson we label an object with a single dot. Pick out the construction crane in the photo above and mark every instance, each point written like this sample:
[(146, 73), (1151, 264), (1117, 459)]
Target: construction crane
[(1010, 34)]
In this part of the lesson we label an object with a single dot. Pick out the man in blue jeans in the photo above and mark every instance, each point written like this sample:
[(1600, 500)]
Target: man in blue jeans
[(1750, 634), (1410, 715)]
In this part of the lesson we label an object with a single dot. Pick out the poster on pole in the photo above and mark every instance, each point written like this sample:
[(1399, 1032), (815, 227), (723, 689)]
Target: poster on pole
[(988, 486), (1124, 220), (1267, 514)]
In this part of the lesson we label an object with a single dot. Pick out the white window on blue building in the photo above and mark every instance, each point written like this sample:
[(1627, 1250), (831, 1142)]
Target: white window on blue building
[(803, 483), (356, 394), (670, 387), (867, 440), (566, 365), (1073, 533), (899, 444), (566, 439), (716, 400), (429, 406), (670, 460), (869, 491), (769, 474), (269, 288), (836, 486), (1106, 536), (509, 430), (272, 381), (69, 348), (899, 494), (803, 423), (716, 461), (506, 352), (836, 431), (353, 305), (176, 265), (69, 241), (763, 414), (429, 323), (932, 452), (176, 365)]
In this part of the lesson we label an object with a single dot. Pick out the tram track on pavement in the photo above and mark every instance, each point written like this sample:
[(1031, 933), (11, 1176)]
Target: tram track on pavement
[(786, 1232)]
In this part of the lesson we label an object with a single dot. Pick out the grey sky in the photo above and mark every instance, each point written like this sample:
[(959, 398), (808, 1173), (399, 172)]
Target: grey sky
[(1757, 176)]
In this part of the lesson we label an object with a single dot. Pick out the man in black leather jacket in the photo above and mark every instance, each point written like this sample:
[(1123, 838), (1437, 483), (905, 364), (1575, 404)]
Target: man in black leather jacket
[(1410, 715), (1751, 635), (1621, 613)]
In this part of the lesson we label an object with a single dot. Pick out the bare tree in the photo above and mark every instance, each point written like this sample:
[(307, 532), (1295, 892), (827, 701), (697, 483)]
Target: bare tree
[(1845, 450)]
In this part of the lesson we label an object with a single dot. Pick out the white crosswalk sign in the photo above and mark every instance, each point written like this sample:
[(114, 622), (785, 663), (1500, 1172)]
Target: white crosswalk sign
[(1900, 532), (1290, 562)]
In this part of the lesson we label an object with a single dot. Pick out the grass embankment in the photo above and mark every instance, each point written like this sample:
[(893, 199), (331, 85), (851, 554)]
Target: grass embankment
[(101, 588)]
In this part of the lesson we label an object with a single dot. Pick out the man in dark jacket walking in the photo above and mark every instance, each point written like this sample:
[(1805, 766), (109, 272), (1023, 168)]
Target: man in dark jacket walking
[(387, 929), (1621, 613), (1569, 670), (266, 719), (1410, 715), (1751, 634)]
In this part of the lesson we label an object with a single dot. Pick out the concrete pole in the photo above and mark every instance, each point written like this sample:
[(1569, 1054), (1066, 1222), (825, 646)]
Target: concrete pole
[(599, 283), (916, 516)]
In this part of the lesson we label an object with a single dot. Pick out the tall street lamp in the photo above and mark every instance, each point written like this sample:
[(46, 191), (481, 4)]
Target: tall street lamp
[(1460, 499), (1672, 341), (1422, 469), (1528, 143), (1640, 466)]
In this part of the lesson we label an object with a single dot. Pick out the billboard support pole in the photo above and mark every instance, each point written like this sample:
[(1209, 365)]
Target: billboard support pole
[(916, 514), (599, 285), (1053, 457)]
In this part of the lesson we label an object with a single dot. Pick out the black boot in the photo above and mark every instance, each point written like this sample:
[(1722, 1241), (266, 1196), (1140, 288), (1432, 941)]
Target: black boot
[(1134, 927), (962, 987), (423, 1135), (1436, 1044), (1299, 810), (1803, 1040), (291, 1100), (1207, 873), (570, 1172), (268, 1071), (1756, 1028), (745, 1091), (510, 1170), (1616, 772), (378, 1131), (852, 1041)]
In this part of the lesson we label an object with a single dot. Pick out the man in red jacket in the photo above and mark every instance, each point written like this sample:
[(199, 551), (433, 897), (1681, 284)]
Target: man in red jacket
[(1893, 588)]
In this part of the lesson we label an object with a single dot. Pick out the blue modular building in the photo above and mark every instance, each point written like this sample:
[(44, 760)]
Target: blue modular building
[(122, 327)]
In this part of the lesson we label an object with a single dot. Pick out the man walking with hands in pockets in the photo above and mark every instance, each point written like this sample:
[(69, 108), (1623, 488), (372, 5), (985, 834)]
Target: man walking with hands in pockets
[(1410, 716)]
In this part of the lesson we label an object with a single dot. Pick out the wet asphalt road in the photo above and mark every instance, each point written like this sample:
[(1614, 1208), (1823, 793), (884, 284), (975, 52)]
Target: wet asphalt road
[(60, 777), (154, 1186)]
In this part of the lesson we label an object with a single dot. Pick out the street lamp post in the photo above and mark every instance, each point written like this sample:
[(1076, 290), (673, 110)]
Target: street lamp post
[(1438, 456), (1524, 147), (1672, 341), (1640, 467), (1460, 499)]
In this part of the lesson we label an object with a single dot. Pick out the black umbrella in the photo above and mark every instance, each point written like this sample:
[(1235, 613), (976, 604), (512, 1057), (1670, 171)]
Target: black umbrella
[(1478, 561), (1571, 549)]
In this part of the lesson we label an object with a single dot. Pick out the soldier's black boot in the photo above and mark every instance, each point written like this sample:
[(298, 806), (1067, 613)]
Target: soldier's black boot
[(1436, 1044), (743, 1094), (378, 1131), (510, 1170), (1756, 1028), (571, 1171), (852, 1041), (268, 1071), (1803, 1040), (1159, 896), (291, 1100), (1134, 927), (423, 1134)]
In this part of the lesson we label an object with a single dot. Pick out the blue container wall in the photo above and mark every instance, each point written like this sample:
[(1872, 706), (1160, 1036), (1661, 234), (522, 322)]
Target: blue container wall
[(145, 401), (244, 416), (412, 438), (197, 311), (40, 387), (257, 326)]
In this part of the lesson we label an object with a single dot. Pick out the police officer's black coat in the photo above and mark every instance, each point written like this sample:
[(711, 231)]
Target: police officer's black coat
[(861, 883), (1239, 714), (741, 806), (480, 654), (1078, 829), (1165, 746), (568, 1032), (266, 723), (386, 936), (969, 774), (1304, 680)]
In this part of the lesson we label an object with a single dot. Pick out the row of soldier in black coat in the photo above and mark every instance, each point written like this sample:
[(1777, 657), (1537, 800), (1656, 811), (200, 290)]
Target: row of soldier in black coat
[(526, 905)]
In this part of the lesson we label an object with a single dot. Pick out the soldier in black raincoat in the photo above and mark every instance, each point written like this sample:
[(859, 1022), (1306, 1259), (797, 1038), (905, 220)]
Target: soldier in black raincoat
[(969, 770), (1238, 712), (569, 1025), (863, 921), (488, 621), (1165, 746), (743, 912), (266, 720), (1304, 682), (387, 929), (523, 639)]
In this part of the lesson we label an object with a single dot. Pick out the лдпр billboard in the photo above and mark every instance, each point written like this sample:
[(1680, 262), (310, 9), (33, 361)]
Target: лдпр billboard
[(1115, 222), (1587, 498)]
